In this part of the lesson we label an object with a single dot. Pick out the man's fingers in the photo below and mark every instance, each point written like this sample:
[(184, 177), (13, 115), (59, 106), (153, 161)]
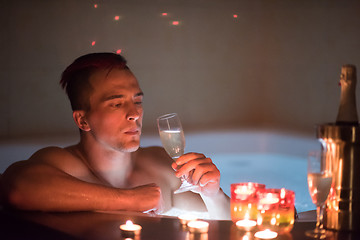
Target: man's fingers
[(189, 156), (192, 164)]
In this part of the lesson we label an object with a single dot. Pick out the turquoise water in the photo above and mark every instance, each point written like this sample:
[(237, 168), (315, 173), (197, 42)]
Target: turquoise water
[(273, 170)]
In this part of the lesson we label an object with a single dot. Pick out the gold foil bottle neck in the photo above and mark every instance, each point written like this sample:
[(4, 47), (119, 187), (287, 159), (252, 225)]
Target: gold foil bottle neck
[(348, 72)]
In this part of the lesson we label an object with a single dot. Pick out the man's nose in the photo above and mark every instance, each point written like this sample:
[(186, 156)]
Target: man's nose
[(133, 114)]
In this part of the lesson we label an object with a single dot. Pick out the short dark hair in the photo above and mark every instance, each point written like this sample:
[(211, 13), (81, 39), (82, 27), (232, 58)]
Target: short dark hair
[(75, 78)]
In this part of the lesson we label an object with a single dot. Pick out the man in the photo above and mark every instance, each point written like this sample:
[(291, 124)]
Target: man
[(107, 170)]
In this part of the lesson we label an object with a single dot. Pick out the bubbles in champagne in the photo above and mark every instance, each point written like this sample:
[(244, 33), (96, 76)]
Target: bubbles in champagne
[(173, 142)]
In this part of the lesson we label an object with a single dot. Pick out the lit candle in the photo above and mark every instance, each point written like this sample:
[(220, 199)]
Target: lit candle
[(246, 224), (266, 234), (130, 229), (186, 218), (198, 227)]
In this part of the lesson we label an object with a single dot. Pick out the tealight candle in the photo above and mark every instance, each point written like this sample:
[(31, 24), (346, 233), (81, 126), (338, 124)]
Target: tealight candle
[(130, 229), (246, 224), (266, 234), (198, 226), (186, 218)]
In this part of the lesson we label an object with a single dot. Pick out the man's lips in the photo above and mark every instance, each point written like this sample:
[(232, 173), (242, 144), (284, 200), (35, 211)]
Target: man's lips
[(134, 131)]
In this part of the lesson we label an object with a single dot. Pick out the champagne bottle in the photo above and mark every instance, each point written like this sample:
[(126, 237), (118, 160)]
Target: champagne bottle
[(347, 114)]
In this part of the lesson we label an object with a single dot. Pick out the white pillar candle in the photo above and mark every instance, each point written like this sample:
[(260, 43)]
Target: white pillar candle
[(198, 226)]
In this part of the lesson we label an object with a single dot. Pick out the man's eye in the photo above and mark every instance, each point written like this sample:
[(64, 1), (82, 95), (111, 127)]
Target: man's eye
[(116, 105), (138, 102)]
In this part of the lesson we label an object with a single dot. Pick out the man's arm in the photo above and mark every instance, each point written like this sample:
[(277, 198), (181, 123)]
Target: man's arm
[(218, 205), (36, 185), (203, 172)]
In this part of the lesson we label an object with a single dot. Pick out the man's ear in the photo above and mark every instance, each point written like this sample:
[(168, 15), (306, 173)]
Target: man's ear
[(80, 120)]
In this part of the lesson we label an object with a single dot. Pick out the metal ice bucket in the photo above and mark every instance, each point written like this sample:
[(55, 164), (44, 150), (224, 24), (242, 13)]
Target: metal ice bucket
[(341, 147)]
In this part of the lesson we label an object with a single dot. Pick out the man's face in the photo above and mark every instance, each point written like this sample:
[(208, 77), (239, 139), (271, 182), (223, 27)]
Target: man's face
[(115, 115)]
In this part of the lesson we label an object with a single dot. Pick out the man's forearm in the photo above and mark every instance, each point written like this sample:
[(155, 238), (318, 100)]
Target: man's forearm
[(218, 205), (46, 188)]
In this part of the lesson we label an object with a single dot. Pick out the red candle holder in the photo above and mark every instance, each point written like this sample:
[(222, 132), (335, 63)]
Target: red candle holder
[(286, 210), (243, 201), (276, 209), (268, 209)]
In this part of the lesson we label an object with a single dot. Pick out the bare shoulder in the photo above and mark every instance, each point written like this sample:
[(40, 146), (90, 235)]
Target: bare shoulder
[(50, 155), (44, 153), (64, 159)]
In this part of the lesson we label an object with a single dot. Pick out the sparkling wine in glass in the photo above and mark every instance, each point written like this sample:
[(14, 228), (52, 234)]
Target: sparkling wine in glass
[(173, 140), (319, 182)]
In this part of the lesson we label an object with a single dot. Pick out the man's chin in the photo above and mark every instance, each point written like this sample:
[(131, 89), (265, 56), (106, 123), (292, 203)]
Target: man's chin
[(131, 147)]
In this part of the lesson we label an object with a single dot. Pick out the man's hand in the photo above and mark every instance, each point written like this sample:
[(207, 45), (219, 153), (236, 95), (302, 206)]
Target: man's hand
[(147, 198), (199, 170)]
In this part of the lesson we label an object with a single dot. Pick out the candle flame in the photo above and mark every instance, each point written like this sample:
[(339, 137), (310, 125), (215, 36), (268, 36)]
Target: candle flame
[(129, 223)]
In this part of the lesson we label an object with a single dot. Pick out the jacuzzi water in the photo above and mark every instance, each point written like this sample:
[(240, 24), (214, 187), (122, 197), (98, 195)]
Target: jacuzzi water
[(273, 170), (277, 160)]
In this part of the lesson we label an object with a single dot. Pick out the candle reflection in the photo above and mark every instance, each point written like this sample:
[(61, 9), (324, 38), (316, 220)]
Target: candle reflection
[(186, 218), (196, 236)]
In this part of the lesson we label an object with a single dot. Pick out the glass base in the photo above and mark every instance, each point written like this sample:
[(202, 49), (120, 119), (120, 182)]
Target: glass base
[(317, 233), (186, 186)]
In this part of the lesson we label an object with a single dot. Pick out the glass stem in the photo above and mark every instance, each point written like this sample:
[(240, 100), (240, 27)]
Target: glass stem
[(183, 177), (319, 217)]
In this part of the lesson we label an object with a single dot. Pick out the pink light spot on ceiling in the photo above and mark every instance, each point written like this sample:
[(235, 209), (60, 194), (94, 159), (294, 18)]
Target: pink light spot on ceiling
[(95, 5), (93, 43), (175, 23), (164, 14), (116, 18), (118, 51), (235, 16)]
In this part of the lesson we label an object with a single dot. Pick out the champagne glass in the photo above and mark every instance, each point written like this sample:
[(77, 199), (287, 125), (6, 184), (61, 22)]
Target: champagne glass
[(173, 140), (319, 182)]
